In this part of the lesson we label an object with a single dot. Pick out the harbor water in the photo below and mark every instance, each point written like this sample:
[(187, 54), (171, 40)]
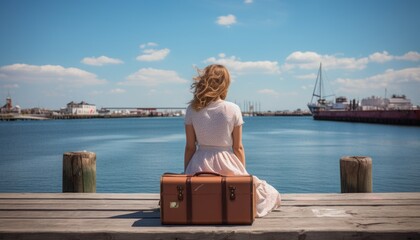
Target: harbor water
[(294, 154)]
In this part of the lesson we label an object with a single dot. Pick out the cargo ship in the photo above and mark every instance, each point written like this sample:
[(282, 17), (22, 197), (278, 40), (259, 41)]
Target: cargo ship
[(394, 110)]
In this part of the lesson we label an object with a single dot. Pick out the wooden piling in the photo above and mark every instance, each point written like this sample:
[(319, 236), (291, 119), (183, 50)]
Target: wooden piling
[(356, 174), (79, 172)]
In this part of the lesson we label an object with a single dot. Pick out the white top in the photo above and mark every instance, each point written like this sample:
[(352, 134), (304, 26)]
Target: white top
[(213, 125)]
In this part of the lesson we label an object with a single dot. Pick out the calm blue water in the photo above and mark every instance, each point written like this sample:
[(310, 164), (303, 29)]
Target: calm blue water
[(294, 154)]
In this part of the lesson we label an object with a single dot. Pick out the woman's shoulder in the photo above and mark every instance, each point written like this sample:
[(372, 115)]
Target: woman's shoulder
[(232, 107), (191, 108), (231, 104), (235, 111)]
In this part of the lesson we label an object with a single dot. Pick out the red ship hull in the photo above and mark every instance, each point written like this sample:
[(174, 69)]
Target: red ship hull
[(400, 117)]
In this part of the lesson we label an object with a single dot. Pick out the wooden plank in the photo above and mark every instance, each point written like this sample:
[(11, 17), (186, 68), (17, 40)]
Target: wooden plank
[(105, 199), (93, 206), (75, 214), (285, 197), (284, 212), (374, 202), (350, 196), (79, 196), (100, 202), (90, 206), (346, 212), (211, 235), (85, 225), (150, 224), (77, 201), (130, 204)]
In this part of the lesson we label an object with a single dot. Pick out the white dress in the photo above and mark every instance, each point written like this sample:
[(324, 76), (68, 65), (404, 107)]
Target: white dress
[(213, 128)]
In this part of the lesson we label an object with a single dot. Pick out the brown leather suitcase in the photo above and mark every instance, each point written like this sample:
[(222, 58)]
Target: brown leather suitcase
[(207, 198)]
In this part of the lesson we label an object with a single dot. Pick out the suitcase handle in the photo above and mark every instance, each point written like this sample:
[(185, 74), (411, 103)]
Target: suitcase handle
[(171, 173), (209, 173)]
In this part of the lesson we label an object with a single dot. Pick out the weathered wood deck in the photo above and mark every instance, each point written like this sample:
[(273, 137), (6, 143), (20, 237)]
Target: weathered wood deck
[(136, 216)]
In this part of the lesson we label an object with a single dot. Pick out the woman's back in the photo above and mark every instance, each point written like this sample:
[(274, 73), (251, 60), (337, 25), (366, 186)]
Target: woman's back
[(214, 124)]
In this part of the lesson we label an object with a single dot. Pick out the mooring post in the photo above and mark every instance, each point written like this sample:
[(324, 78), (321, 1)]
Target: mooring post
[(356, 174), (79, 172)]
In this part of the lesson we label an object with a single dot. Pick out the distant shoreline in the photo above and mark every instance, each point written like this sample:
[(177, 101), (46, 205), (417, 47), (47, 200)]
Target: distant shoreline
[(38, 117)]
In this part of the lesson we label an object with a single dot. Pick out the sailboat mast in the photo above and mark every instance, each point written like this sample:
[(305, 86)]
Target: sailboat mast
[(321, 85)]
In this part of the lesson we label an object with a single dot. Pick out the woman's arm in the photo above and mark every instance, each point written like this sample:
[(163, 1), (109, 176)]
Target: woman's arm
[(238, 148), (190, 146)]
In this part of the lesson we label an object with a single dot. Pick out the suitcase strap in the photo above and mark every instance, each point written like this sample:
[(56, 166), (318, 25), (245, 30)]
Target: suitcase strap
[(189, 200), (224, 201)]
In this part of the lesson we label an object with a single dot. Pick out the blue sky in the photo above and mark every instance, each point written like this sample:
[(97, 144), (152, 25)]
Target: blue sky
[(144, 53)]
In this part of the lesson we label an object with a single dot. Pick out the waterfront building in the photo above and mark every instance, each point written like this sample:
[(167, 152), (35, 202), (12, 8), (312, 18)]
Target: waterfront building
[(8, 107), (396, 102), (399, 102), (82, 108), (374, 103)]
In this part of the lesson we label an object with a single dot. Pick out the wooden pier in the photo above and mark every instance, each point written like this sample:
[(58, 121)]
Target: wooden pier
[(136, 216), (15, 117)]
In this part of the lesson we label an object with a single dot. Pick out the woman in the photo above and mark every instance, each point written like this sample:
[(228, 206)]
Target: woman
[(215, 125)]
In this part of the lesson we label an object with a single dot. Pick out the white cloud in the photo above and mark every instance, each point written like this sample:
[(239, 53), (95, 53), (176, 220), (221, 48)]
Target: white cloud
[(96, 93), (226, 20), (149, 44), (410, 56), (311, 76), (385, 57), (237, 66), (100, 61), (248, 1), (150, 55), (51, 74), (379, 81), (11, 86), (270, 92), (117, 91), (380, 57), (153, 77), (306, 87), (311, 60)]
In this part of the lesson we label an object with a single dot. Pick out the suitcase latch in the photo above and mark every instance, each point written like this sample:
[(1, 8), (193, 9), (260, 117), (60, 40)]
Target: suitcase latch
[(232, 194), (180, 194)]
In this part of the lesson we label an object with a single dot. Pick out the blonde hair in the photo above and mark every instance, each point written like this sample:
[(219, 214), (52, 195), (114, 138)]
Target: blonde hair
[(211, 84)]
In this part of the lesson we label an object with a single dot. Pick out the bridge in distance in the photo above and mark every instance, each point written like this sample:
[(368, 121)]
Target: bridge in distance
[(145, 108)]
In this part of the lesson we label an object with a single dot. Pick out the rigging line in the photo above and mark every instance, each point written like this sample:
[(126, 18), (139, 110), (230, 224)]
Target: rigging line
[(329, 85), (316, 83)]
